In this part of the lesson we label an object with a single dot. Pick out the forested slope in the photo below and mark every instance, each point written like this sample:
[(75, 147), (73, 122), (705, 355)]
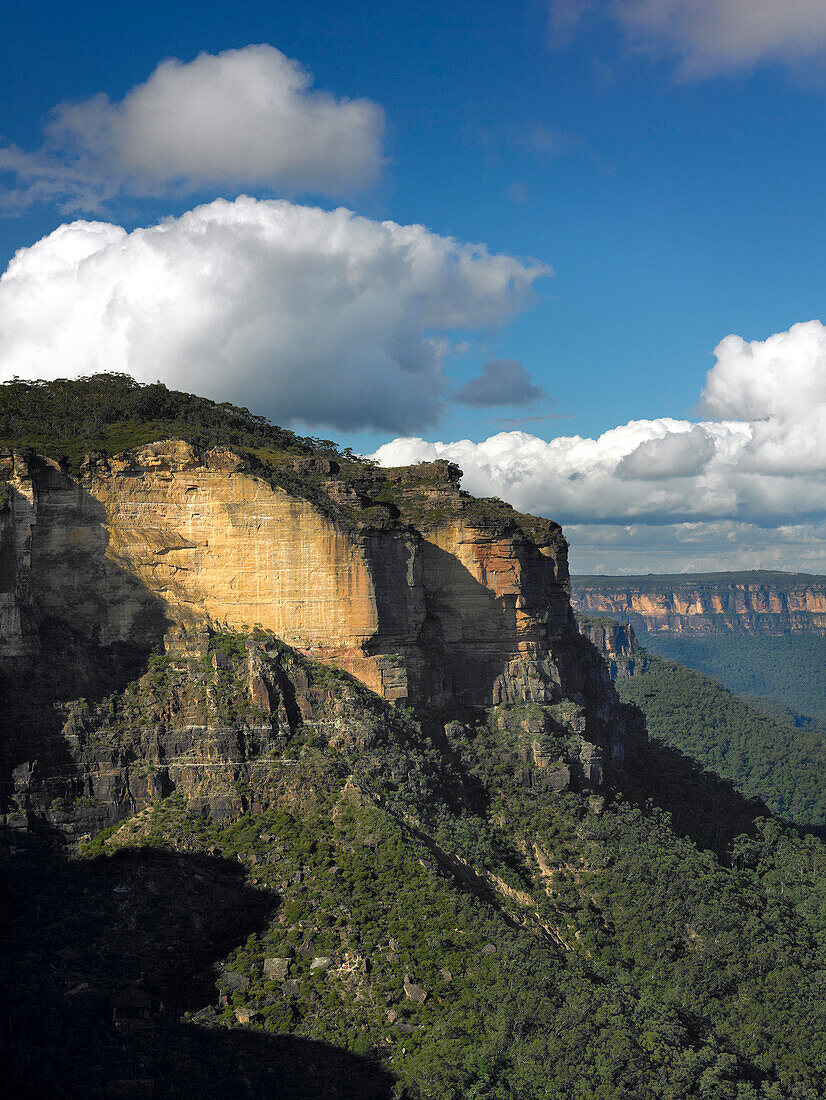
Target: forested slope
[(427, 904), (774, 760), (790, 668)]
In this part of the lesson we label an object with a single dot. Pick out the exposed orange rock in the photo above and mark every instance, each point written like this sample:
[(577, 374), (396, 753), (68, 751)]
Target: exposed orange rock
[(748, 603), (452, 599)]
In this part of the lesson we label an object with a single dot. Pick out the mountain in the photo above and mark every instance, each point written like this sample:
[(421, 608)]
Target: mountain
[(312, 787), (758, 633)]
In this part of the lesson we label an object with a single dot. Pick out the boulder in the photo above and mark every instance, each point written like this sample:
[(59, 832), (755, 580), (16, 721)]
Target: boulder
[(205, 1016), (235, 981), (414, 992), (275, 970)]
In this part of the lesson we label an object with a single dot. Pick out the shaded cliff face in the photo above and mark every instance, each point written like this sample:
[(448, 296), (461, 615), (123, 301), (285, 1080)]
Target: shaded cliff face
[(617, 644), (222, 720), (713, 603), (443, 599)]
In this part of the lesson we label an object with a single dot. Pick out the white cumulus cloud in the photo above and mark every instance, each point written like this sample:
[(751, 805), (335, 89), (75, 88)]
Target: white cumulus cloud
[(707, 37), (324, 318), (241, 119), (758, 465)]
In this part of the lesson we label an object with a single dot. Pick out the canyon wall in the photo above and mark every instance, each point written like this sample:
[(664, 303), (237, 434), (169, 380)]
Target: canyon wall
[(617, 644), (470, 606), (425, 595), (756, 602)]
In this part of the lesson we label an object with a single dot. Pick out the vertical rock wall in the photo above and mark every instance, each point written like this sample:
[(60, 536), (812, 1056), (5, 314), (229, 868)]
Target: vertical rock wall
[(724, 603), (469, 608)]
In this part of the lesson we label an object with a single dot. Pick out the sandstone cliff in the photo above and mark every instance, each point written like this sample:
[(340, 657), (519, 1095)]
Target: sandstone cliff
[(426, 595), (617, 645), (466, 607), (757, 602)]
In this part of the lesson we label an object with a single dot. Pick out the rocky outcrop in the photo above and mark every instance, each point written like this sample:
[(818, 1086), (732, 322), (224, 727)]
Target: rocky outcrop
[(436, 598), (213, 724), (223, 720), (617, 645), (425, 595), (757, 602)]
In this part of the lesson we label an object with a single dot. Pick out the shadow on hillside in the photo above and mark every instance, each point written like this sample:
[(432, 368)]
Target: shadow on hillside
[(703, 806), (102, 957), (71, 596)]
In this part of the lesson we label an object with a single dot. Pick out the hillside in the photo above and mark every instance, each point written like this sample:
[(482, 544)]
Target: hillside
[(760, 633), (311, 787), (775, 761), (790, 670), (769, 751), (441, 905)]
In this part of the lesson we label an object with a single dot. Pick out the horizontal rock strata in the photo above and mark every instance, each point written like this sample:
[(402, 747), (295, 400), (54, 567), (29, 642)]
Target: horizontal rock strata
[(468, 605), (723, 603)]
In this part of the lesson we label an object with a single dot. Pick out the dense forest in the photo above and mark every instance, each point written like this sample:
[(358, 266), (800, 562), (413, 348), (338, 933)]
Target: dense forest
[(632, 948), (67, 418), (767, 756), (789, 668)]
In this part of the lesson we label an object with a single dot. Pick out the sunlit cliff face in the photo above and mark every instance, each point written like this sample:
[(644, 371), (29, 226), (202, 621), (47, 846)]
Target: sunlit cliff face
[(759, 606), (163, 538)]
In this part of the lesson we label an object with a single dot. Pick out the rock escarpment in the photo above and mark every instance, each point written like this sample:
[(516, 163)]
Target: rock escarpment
[(468, 605), (756, 603), (617, 645), (425, 595), (223, 719)]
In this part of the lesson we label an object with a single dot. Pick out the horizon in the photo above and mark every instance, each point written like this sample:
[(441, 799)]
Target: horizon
[(572, 247)]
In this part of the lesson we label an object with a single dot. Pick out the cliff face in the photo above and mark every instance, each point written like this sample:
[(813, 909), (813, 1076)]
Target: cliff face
[(466, 608), (722, 603), (425, 595), (617, 645)]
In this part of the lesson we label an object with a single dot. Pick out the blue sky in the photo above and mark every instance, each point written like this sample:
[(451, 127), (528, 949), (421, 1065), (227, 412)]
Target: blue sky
[(669, 169)]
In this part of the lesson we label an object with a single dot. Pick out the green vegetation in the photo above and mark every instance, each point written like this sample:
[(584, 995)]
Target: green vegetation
[(790, 669), (68, 419), (488, 936), (766, 758)]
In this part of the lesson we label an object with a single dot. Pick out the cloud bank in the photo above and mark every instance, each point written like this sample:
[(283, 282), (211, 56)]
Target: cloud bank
[(757, 464), (240, 119), (309, 316), (706, 37)]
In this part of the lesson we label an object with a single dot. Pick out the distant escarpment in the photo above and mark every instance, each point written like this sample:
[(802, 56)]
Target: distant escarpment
[(755, 602)]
